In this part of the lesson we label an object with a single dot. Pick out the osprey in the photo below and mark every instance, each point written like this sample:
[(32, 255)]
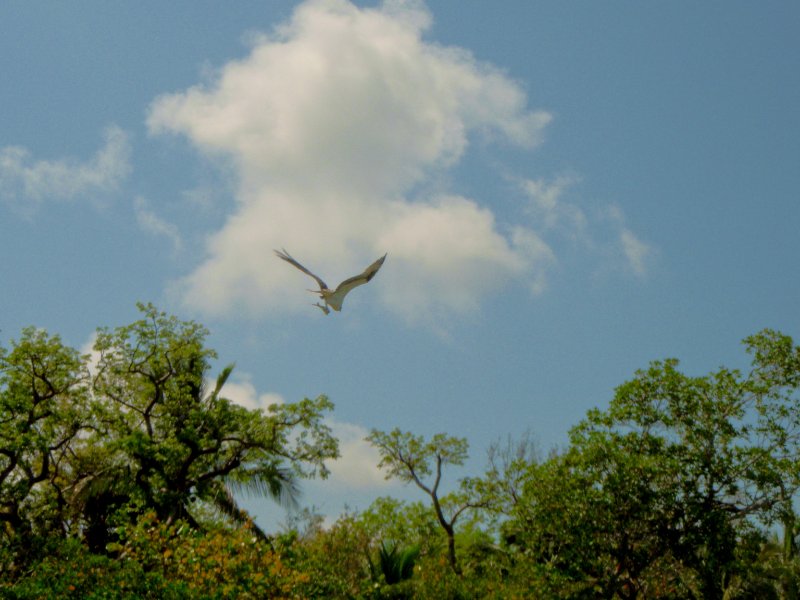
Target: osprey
[(334, 298)]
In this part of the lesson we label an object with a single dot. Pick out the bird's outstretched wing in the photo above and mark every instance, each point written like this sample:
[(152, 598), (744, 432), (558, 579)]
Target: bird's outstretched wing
[(287, 257), (357, 280), (335, 299)]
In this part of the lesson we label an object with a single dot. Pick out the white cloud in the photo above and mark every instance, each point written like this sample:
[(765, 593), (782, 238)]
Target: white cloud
[(548, 208), (88, 350), (542, 257), (331, 121), (636, 252), (357, 467), (24, 179), (155, 225), (243, 393), (551, 213)]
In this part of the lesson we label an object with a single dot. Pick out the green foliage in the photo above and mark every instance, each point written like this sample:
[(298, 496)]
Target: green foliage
[(171, 441), (69, 570), (157, 560), (396, 564), (43, 414), (407, 524), (657, 494), (408, 457), (221, 563), (334, 558), (89, 444), (119, 475)]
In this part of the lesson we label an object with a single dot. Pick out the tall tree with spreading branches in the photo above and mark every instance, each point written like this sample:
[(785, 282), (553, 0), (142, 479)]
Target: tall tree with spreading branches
[(411, 458)]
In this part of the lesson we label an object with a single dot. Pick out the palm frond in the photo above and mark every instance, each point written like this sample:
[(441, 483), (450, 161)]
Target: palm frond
[(222, 378), (397, 565), (272, 480), (222, 498)]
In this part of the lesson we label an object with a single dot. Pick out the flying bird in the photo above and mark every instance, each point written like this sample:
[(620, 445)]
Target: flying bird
[(334, 298)]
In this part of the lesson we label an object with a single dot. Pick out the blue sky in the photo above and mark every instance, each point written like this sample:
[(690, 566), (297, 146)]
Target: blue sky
[(566, 191)]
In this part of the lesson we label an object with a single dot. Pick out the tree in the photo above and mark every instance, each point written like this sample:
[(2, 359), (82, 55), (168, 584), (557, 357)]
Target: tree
[(89, 445), (659, 492), (43, 411), (507, 471), (594, 521), (411, 458), (166, 440)]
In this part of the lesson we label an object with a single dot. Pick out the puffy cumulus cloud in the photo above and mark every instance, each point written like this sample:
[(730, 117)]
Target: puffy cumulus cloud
[(24, 179), (357, 467), (453, 248), (355, 95), (244, 393), (330, 121)]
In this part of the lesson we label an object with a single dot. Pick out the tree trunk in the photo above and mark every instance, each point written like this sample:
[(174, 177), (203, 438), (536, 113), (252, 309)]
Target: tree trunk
[(451, 550), (451, 536), (790, 586)]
